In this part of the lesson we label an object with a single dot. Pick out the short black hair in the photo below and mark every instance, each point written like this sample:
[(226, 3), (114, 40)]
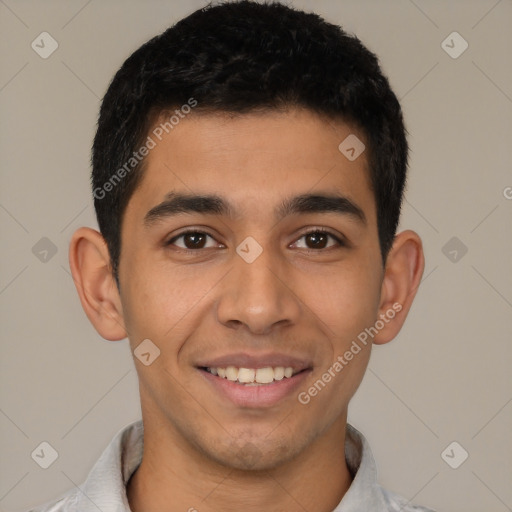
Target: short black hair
[(242, 57)]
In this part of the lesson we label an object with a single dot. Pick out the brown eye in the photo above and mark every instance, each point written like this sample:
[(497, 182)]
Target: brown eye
[(193, 240), (318, 240)]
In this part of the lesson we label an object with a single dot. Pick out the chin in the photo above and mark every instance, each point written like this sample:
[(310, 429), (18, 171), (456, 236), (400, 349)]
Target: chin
[(256, 456)]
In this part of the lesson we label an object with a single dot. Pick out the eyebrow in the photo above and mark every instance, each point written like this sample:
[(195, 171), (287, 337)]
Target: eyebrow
[(319, 203), (176, 203)]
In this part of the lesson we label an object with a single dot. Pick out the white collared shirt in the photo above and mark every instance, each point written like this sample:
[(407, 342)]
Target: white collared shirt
[(105, 486)]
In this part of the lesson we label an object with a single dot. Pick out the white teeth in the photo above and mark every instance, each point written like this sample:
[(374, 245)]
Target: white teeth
[(264, 375), (251, 376), (231, 373), (279, 373), (246, 375)]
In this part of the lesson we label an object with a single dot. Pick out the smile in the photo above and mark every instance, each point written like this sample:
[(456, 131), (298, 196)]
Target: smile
[(254, 387), (253, 376)]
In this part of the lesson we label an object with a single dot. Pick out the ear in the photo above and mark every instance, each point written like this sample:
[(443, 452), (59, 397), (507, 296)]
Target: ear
[(402, 276), (89, 261)]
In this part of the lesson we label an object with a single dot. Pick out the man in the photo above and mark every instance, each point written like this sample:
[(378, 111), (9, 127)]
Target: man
[(248, 171)]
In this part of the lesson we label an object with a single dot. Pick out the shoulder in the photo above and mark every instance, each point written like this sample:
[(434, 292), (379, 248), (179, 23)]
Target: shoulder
[(396, 503), (66, 503)]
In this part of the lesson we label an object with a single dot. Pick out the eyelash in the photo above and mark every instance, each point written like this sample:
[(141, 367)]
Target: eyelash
[(339, 241)]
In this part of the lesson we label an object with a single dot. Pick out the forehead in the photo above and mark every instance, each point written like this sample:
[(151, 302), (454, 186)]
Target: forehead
[(254, 159)]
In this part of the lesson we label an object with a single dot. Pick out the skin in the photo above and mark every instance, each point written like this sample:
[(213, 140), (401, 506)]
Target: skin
[(298, 297)]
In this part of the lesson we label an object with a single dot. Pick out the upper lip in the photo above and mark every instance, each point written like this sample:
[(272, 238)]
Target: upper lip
[(244, 360)]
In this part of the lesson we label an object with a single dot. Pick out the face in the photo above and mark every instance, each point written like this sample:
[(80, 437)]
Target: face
[(250, 243)]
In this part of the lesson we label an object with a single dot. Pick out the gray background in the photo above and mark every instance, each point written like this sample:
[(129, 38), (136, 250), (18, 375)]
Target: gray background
[(445, 378)]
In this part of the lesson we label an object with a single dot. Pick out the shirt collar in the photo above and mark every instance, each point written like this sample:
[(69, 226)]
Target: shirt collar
[(364, 492), (105, 487)]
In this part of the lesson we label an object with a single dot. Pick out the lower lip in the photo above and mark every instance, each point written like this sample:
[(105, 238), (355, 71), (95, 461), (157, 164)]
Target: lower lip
[(264, 395)]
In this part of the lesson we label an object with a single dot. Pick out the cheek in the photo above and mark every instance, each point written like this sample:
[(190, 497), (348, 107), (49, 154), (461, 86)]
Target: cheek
[(346, 303), (159, 302), (346, 300)]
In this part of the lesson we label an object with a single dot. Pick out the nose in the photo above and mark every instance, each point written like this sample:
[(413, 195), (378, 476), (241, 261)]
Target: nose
[(258, 295)]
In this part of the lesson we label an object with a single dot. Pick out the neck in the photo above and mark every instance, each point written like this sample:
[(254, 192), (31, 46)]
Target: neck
[(170, 478)]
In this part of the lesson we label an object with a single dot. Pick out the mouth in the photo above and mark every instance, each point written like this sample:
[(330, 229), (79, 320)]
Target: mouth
[(253, 376), (254, 387)]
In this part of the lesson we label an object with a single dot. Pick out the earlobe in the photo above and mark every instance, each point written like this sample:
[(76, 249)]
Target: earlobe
[(89, 261), (402, 277)]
